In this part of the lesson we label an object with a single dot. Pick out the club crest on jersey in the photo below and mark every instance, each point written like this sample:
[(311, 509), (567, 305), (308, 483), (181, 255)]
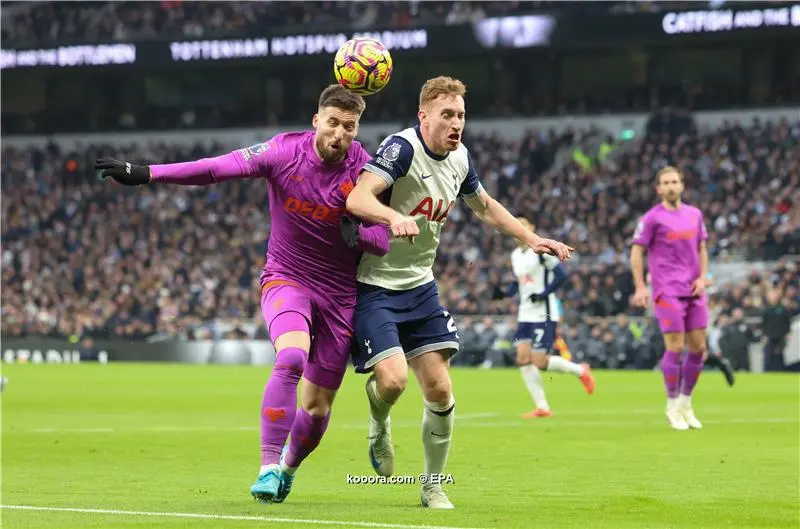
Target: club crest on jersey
[(425, 208), (391, 153), (254, 150)]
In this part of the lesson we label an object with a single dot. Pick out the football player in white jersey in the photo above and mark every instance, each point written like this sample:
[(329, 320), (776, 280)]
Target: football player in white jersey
[(538, 277), (418, 173)]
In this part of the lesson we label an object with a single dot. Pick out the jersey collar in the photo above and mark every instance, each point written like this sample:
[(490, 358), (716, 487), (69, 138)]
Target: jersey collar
[(429, 152)]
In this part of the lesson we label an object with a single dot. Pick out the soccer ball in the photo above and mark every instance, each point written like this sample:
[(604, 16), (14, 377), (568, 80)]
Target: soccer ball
[(363, 66)]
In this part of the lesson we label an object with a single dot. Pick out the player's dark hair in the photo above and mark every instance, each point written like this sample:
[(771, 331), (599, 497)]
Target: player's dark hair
[(340, 97), (666, 170)]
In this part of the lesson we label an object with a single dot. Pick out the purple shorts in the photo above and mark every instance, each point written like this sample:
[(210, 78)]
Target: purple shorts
[(681, 314), (330, 322)]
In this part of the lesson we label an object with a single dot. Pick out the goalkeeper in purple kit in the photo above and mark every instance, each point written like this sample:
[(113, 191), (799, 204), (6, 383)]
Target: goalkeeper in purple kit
[(308, 287)]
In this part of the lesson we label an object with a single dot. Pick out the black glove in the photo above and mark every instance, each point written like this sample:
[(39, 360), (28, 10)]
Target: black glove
[(349, 227), (125, 173), (535, 298)]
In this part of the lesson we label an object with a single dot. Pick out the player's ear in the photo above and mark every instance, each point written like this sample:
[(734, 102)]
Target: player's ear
[(315, 120), (421, 115)]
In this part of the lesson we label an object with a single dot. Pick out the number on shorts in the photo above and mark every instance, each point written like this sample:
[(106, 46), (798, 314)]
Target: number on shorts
[(538, 335), (451, 324)]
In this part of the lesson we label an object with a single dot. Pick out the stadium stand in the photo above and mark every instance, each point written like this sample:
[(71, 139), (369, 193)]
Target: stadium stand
[(87, 258)]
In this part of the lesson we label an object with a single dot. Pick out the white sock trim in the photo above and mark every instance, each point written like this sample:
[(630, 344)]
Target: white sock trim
[(439, 406)]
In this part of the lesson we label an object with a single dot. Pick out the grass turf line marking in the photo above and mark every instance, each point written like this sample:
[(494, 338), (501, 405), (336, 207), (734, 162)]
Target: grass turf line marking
[(227, 517)]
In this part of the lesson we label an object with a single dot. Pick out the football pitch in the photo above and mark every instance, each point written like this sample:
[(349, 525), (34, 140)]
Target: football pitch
[(144, 445)]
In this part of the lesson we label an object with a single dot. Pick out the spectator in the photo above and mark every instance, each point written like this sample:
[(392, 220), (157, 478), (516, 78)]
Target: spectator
[(776, 324)]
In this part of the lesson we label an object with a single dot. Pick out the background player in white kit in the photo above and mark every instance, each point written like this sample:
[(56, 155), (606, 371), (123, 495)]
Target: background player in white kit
[(538, 277), (419, 172)]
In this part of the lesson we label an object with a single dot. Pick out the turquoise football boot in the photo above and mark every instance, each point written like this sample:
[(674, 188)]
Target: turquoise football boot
[(266, 487)]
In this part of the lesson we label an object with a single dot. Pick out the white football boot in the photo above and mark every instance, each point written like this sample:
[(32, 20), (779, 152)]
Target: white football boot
[(686, 411), (674, 415), (433, 497)]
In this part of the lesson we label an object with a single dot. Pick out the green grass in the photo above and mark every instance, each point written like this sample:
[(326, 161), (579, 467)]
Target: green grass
[(184, 439)]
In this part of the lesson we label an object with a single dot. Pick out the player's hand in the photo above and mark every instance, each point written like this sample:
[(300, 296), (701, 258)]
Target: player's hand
[(698, 287), (551, 247), (639, 298), (404, 226), (125, 173), (349, 229), (535, 298)]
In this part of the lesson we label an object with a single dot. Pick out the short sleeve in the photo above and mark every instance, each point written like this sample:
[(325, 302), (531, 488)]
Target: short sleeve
[(643, 235), (702, 232), (261, 160), (472, 185), (392, 159)]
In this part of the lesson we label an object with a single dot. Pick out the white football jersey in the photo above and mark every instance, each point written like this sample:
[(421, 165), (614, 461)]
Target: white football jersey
[(534, 272), (423, 185)]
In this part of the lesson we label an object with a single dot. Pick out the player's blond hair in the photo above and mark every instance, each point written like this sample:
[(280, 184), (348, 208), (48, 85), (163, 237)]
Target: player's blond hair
[(340, 97), (666, 170), (441, 85)]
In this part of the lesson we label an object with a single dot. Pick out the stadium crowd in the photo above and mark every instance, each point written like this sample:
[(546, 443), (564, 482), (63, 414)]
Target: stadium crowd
[(89, 258), (48, 23)]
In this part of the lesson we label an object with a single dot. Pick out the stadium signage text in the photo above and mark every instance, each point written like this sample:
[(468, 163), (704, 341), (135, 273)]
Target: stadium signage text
[(48, 356), (712, 21), (65, 56), (212, 50)]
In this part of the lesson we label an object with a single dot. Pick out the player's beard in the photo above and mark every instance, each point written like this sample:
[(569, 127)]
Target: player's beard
[(672, 199), (329, 154)]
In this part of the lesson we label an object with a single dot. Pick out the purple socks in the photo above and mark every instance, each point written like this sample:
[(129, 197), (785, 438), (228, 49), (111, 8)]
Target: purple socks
[(671, 368), (279, 404), (692, 367), (307, 432)]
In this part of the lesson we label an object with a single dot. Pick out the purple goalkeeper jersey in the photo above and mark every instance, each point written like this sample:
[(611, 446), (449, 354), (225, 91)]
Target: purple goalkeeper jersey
[(306, 200), (672, 239)]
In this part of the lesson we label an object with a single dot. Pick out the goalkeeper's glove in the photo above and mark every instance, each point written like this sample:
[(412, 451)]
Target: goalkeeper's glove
[(349, 227), (125, 173), (535, 298)]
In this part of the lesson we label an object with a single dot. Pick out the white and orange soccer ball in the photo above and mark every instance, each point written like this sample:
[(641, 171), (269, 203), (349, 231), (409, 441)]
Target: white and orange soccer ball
[(363, 66)]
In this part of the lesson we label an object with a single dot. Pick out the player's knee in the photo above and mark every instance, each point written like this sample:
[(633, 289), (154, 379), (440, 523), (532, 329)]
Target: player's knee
[(391, 384), (391, 375), (291, 361), (316, 400), (539, 360), (437, 390)]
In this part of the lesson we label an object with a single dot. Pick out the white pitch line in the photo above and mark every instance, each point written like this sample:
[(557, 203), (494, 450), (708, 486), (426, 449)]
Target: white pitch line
[(233, 517)]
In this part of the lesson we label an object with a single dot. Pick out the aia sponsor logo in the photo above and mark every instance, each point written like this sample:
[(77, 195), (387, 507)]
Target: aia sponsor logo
[(433, 214)]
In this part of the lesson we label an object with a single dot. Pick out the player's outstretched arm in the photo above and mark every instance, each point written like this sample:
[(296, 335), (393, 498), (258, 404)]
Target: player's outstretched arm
[(242, 163), (363, 203), (491, 212)]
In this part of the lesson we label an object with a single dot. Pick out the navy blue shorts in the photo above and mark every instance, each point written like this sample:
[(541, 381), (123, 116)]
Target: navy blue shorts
[(390, 322), (541, 335)]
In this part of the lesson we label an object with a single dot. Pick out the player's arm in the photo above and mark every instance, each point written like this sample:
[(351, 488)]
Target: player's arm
[(642, 238), (242, 163), (372, 239), (392, 161), (493, 213), (699, 285), (559, 277)]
